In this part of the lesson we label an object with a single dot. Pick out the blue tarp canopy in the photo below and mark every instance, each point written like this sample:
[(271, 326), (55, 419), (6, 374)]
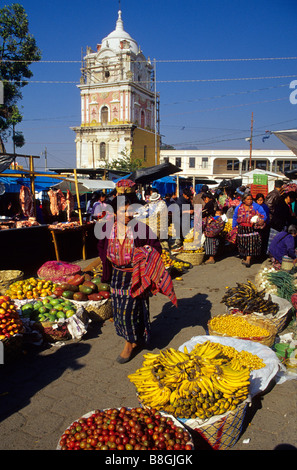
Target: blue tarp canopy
[(13, 183), (165, 185)]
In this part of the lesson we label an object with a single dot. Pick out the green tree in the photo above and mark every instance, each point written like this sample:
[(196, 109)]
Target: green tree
[(125, 163), (18, 50)]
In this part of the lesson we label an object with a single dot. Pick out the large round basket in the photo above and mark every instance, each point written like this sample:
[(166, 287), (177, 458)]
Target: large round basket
[(99, 311), (191, 257), (224, 432), (9, 277), (253, 320), (279, 322)]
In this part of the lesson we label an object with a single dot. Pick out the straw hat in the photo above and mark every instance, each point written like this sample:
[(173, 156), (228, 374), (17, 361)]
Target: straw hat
[(154, 197)]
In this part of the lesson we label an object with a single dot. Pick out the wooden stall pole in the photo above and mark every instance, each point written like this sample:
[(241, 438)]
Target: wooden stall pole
[(77, 197), (32, 180), (80, 216), (55, 245)]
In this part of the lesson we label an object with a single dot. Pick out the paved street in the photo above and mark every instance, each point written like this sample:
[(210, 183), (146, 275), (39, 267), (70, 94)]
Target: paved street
[(47, 388)]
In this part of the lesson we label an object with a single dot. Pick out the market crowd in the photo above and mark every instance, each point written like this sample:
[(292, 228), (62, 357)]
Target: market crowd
[(255, 227)]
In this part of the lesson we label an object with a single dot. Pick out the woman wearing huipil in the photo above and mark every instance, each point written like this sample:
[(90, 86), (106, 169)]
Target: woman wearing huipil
[(131, 258)]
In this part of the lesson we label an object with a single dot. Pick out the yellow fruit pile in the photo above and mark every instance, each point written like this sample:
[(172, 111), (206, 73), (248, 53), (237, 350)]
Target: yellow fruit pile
[(170, 262), (31, 288), (208, 381), (199, 250), (227, 227), (191, 236), (10, 322), (236, 325)]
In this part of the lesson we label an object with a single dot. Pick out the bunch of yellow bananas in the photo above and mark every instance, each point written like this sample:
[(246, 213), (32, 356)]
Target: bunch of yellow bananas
[(209, 380)]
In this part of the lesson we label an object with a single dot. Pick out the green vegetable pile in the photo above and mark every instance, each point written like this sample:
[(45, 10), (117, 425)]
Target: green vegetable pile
[(284, 281)]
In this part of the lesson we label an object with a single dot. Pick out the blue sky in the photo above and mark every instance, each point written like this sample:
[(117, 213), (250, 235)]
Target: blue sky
[(207, 95)]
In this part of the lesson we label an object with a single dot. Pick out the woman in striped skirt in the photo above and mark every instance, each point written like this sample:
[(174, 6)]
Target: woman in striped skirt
[(130, 314), (212, 227), (248, 216)]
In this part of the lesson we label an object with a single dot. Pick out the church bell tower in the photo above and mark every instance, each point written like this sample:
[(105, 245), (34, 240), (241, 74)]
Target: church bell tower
[(119, 106)]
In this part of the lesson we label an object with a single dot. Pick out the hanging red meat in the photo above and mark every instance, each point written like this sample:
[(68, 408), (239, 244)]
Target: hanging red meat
[(26, 201), (53, 202), (61, 201)]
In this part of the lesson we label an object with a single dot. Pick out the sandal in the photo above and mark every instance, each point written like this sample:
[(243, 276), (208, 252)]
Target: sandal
[(247, 265)]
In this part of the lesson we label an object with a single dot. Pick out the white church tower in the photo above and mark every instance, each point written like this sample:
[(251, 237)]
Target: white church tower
[(119, 105)]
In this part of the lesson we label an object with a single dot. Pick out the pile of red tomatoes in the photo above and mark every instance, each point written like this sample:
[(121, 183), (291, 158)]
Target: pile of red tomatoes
[(125, 429)]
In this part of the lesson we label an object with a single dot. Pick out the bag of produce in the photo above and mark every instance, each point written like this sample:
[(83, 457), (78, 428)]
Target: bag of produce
[(57, 271)]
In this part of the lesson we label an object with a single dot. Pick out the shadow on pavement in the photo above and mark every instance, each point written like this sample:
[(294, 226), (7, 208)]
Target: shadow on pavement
[(191, 312), (24, 378)]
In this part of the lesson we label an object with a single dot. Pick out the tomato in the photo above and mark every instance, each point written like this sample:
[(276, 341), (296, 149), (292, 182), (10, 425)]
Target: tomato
[(104, 294)]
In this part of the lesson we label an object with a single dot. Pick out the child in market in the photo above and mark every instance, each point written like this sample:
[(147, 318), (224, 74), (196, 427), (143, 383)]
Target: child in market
[(213, 226)]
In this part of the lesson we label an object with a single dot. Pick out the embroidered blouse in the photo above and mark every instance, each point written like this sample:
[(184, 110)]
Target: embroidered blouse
[(120, 254)]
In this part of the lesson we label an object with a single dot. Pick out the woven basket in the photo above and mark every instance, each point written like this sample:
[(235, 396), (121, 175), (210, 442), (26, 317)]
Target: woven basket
[(99, 312), (278, 322), (253, 320), (9, 277), (281, 322), (225, 432), (50, 334), (194, 258)]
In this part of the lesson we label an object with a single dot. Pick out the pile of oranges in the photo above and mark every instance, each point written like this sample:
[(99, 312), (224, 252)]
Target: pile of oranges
[(31, 288), (10, 322)]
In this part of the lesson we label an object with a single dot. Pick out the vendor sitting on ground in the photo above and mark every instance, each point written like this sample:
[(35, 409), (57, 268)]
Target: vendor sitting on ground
[(283, 244)]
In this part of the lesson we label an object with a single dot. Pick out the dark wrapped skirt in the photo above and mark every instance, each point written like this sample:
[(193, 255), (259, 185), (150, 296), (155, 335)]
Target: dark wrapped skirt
[(211, 245), (248, 241), (131, 315)]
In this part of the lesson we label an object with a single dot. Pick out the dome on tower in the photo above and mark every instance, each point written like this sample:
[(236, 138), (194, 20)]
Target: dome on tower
[(119, 38)]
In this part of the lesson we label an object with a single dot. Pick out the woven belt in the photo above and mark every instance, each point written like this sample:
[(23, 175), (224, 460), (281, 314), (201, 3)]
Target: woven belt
[(127, 267)]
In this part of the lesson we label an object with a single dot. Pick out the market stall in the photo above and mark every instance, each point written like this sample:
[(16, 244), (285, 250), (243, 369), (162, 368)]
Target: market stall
[(204, 387)]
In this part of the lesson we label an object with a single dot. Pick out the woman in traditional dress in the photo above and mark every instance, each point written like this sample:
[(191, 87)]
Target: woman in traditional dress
[(248, 216), (212, 227), (123, 244)]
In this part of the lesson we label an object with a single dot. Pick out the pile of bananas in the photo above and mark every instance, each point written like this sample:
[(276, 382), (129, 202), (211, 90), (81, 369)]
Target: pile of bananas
[(236, 326), (210, 380), (170, 262), (247, 299)]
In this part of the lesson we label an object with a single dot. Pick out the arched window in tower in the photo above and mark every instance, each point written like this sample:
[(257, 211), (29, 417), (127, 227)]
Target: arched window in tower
[(142, 122), (102, 151), (104, 115)]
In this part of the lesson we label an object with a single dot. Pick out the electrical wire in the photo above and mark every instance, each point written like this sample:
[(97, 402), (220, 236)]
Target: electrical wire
[(155, 60), (201, 80)]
